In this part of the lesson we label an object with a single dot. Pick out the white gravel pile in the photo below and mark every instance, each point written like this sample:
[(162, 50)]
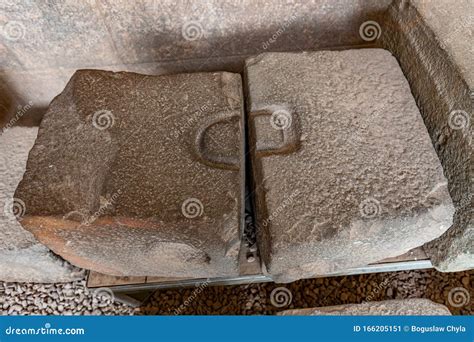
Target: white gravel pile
[(58, 299)]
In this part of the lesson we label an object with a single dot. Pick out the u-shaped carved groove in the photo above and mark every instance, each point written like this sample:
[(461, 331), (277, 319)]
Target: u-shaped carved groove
[(199, 148), (287, 127)]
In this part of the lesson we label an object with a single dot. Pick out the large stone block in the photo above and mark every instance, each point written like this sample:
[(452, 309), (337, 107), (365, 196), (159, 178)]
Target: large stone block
[(22, 257), (400, 307), (345, 172), (140, 175), (439, 66), (45, 42), (48, 35), (180, 30)]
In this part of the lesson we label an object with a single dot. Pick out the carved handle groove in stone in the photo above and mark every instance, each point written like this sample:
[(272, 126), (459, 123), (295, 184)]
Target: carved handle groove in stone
[(213, 159), (280, 120)]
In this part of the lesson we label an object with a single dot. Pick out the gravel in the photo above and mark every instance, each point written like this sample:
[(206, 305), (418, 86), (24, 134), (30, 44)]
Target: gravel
[(75, 299), (57, 299), (258, 298)]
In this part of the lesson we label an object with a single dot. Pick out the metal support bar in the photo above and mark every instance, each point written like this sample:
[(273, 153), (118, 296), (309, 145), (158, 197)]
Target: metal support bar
[(125, 293)]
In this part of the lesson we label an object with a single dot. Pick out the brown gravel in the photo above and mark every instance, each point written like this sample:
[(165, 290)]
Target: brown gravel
[(256, 298)]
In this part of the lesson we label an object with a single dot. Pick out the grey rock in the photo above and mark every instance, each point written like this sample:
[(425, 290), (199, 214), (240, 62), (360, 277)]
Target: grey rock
[(137, 175), (344, 168), (43, 43), (438, 62), (403, 307), (451, 22), (196, 30), (22, 257)]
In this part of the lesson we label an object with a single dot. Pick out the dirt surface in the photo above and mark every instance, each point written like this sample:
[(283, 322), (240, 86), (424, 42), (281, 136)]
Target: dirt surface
[(75, 299)]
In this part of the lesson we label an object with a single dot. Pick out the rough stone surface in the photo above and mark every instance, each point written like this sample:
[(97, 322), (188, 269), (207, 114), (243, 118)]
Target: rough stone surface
[(43, 43), (352, 178), (386, 308), (451, 22), (105, 33), (140, 175), (438, 63), (22, 257)]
